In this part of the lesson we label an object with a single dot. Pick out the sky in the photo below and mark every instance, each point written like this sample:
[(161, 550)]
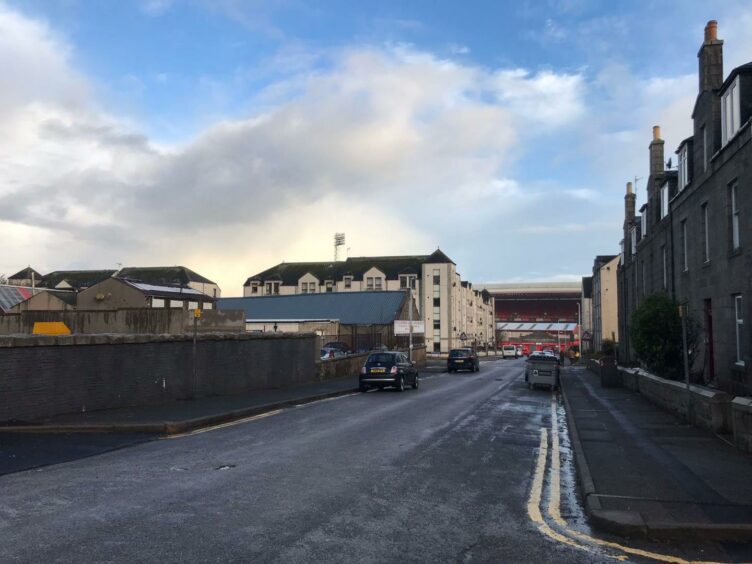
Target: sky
[(231, 135)]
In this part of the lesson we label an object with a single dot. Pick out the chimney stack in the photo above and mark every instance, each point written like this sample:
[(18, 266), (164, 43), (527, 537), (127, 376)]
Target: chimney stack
[(711, 59), (656, 152), (630, 203)]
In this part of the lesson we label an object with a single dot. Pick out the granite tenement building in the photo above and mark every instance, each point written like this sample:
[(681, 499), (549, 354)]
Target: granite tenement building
[(693, 237)]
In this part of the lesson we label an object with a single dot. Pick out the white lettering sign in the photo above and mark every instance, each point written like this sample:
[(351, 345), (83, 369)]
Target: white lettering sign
[(402, 327)]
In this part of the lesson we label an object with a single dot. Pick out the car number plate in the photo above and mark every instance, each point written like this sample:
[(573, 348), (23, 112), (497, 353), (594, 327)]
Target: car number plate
[(459, 361), (378, 370)]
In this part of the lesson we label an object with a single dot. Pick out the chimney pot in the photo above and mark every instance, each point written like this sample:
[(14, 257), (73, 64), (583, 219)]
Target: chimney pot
[(629, 188), (656, 133), (711, 31)]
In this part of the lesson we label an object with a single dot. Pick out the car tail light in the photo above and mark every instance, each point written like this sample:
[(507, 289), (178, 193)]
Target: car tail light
[(363, 370), (393, 370)]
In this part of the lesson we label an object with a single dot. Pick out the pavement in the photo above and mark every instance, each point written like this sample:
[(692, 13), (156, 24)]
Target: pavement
[(184, 416), (645, 473)]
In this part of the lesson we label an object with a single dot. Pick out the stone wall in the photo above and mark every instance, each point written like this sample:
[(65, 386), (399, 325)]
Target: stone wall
[(741, 410), (148, 321), (710, 409), (351, 365), (46, 376)]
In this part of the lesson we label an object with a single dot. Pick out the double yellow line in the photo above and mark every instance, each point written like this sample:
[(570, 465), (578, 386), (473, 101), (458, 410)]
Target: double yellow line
[(562, 532)]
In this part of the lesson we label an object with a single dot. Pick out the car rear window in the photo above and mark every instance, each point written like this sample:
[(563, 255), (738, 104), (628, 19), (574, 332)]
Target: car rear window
[(380, 358), (459, 353)]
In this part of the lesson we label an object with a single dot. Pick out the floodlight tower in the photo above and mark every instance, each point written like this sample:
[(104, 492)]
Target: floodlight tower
[(339, 241)]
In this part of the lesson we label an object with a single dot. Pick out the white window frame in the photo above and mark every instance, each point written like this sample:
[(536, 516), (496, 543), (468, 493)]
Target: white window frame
[(730, 112), (329, 285), (683, 170), (685, 247), (739, 322), (176, 304), (705, 151), (157, 302), (633, 239), (254, 287), (735, 235), (664, 200), (706, 233), (378, 283), (369, 283), (348, 282), (665, 267), (644, 223)]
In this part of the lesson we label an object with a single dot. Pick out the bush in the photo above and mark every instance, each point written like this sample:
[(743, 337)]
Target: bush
[(608, 347), (656, 332)]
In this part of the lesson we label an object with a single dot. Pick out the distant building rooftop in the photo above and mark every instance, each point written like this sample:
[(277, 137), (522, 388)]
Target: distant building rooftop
[(532, 287)]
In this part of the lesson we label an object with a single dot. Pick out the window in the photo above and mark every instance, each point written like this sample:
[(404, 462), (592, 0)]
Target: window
[(436, 277), (644, 223), (705, 148), (734, 208), (665, 267), (705, 233), (684, 246), (348, 282), (329, 285), (730, 112), (621, 252), (683, 170), (664, 200), (271, 288), (157, 302), (407, 281), (176, 304), (437, 324), (437, 302), (633, 239), (254, 287), (207, 305), (738, 314), (379, 281), (192, 305), (369, 283), (308, 287)]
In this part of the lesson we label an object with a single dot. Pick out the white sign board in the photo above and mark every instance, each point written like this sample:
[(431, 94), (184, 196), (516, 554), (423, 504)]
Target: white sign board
[(402, 327)]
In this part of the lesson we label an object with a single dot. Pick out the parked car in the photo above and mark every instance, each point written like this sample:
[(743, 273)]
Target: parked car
[(542, 368), (327, 353), (463, 359), (509, 351), (388, 369), (344, 348)]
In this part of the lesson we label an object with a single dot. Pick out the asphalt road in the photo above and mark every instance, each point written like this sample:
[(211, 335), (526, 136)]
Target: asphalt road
[(441, 474)]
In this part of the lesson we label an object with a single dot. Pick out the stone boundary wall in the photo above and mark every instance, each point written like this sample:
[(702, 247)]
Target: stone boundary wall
[(148, 321), (351, 365), (741, 413), (43, 376), (711, 409)]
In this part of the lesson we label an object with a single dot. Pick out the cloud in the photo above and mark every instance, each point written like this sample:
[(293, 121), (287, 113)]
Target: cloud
[(155, 8), (380, 140)]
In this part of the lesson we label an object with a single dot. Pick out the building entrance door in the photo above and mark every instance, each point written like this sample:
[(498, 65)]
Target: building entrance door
[(709, 353)]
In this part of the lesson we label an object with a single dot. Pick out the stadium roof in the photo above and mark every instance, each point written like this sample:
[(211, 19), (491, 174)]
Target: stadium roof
[(532, 287), (516, 326)]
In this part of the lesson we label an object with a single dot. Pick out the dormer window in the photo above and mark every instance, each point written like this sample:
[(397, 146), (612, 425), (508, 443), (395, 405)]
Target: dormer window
[(683, 167), (633, 239), (254, 288), (348, 282), (730, 118), (664, 200), (407, 281), (644, 223), (271, 288), (330, 285), (308, 287)]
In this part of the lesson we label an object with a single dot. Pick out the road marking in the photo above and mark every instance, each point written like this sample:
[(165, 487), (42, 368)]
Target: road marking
[(536, 491), (554, 506), (223, 425)]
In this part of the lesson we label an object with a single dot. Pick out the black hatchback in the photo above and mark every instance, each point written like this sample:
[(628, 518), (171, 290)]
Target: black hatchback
[(388, 369), (463, 359)]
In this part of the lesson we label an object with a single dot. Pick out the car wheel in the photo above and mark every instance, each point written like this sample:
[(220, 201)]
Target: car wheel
[(401, 384), (416, 382)]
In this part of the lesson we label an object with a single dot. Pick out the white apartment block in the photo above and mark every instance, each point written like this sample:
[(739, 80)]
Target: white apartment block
[(455, 314)]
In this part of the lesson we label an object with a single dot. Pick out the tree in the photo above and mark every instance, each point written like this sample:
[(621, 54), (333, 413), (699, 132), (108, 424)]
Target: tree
[(3, 279), (656, 331)]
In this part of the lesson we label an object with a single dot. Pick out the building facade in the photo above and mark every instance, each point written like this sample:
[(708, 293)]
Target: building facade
[(604, 320), (586, 307), (455, 313), (693, 237)]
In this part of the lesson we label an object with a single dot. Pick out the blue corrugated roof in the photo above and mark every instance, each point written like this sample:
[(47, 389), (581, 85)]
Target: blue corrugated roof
[(350, 308)]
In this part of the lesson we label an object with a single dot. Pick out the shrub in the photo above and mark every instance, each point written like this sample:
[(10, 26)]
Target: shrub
[(656, 332), (608, 347)]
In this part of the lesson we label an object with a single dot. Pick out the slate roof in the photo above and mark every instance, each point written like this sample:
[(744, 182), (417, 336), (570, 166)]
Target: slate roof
[(78, 279), (392, 266), (162, 275), (741, 69), (169, 292), (12, 295), (67, 296), (350, 308), (25, 274)]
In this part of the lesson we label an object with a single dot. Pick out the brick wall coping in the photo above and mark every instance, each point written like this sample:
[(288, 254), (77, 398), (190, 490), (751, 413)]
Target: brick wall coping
[(10, 341), (743, 404)]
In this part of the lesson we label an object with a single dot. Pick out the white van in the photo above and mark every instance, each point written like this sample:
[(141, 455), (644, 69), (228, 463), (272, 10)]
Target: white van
[(509, 351)]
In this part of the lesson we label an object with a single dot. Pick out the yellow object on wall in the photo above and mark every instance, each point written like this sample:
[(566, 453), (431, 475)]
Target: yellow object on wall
[(50, 328)]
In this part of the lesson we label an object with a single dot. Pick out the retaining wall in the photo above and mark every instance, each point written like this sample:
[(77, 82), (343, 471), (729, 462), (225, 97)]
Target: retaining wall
[(741, 413), (351, 365), (46, 376)]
